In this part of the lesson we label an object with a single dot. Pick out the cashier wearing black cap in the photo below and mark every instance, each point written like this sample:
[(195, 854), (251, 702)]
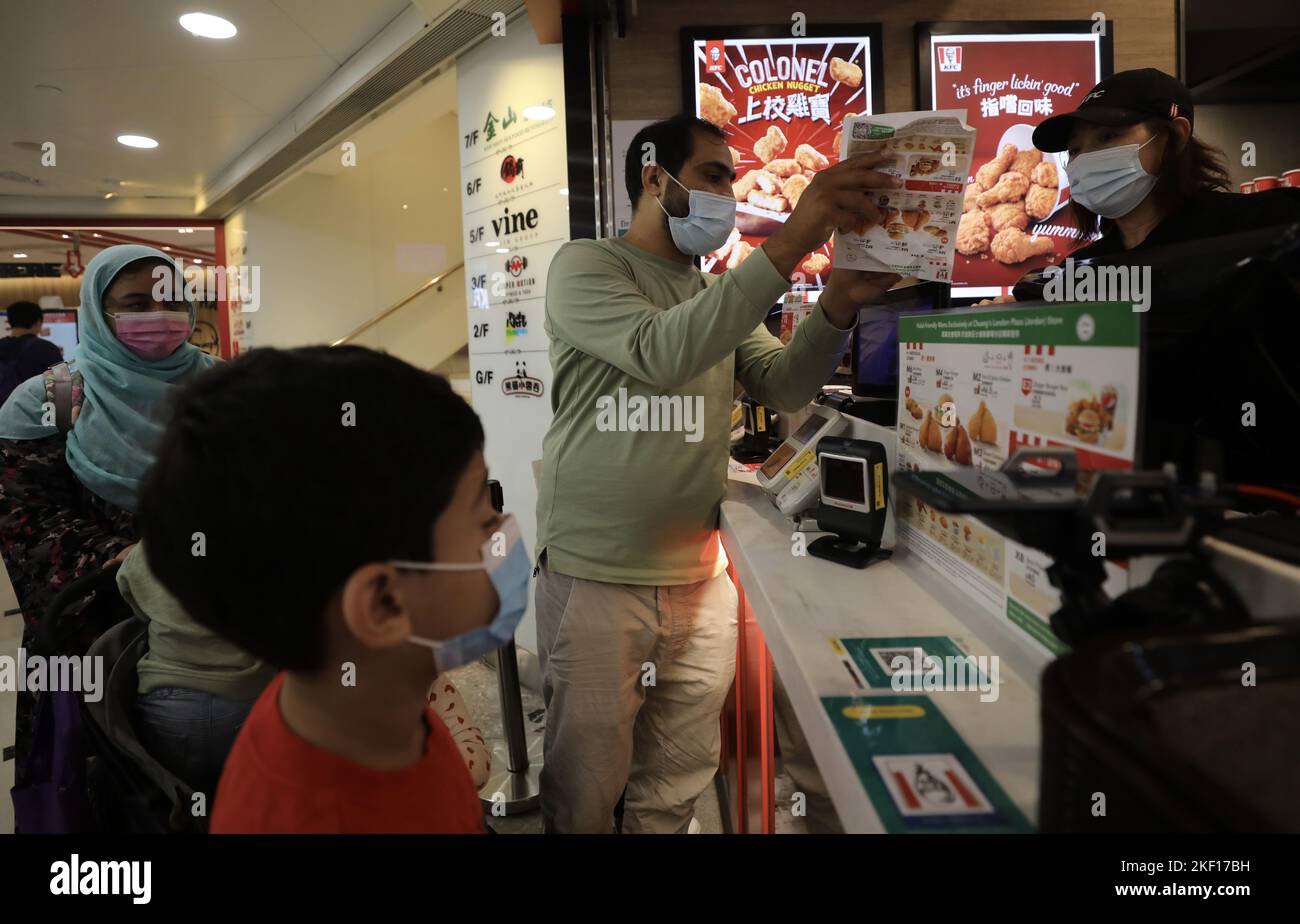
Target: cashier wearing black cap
[(1134, 162)]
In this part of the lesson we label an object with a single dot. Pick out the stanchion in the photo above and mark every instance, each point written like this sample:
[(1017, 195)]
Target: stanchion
[(514, 789)]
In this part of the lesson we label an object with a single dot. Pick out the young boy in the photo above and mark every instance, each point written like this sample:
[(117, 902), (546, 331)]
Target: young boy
[(298, 499)]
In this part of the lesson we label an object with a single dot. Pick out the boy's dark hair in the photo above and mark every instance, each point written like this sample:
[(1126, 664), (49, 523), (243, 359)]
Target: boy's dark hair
[(297, 467), (25, 314), (674, 142)]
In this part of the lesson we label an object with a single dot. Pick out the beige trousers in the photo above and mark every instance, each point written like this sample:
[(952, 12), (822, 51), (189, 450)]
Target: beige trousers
[(634, 679)]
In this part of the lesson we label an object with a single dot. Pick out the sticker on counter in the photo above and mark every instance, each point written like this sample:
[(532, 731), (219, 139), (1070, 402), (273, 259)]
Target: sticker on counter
[(918, 772), (877, 660)]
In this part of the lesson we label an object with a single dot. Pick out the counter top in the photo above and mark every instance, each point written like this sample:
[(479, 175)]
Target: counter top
[(801, 602)]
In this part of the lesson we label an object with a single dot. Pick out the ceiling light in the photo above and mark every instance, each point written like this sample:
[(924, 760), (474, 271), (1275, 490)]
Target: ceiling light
[(66, 236), (19, 256), (165, 247), (539, 113), (197, 260), (404, 205), (205, 25), (137, 141), (108, 195), (96, 234)]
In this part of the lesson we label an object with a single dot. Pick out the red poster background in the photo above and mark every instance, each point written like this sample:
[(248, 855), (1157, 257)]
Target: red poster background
[(1070, 68), (813, 129)]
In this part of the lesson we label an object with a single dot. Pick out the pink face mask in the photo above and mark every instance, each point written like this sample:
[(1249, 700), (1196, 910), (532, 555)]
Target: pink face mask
[(153, 335)]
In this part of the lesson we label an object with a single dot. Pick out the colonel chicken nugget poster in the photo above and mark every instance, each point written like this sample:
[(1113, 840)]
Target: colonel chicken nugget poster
[(781, 102), (1016, 216)]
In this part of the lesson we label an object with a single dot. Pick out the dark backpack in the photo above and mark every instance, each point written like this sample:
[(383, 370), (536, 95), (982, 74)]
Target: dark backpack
[(87, 771)]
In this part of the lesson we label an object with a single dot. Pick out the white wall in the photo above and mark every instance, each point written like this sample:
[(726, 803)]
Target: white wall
[(336, 247)]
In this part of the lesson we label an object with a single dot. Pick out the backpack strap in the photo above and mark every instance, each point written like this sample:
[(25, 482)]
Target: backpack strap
[(58, 389)]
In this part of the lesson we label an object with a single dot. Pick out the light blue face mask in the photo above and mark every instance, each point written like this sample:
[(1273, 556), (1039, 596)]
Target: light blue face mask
[(707, 225), (505, 559), (1110, 182)]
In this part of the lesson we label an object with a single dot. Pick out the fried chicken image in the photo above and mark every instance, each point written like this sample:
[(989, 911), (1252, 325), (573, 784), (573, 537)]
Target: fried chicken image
[(1011, 245), (1008, 215), (973, 233), (745, 185), (1009, 187), (765, 201), (1025, 161), (784, 167), (846, 72), (735, 155), (968, 197), (714, 106), (1040, 200), (1045, 175), (837, 144), (987, 175), (815, 264), (738, 254), (767, 183), (811, 158), (794, 187), (770, 146), (914, 218)]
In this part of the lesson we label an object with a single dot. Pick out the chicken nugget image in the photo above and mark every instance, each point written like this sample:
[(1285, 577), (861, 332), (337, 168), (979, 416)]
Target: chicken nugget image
[(1008, 215), (770, 146), (914, 218), (714, 107), (1009, 187), (1011, 245), (725, 250), (735, 155), (745, 185), (846, 72), (738, 254), (793, 188), (1025, 161), (982, 425), (1045, 175), (969, 196), (836, 144), (815, 264), (772, 203), (987, 175), (973, 233), (811, 158), (767, 182), (784, 167), (1039, 201)]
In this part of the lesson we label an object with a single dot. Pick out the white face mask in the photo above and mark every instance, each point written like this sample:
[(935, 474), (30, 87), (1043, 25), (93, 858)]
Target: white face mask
[(708, 223), (1112, 181)]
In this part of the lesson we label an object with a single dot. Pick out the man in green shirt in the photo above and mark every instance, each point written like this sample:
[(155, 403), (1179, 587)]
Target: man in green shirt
[(636, 617)]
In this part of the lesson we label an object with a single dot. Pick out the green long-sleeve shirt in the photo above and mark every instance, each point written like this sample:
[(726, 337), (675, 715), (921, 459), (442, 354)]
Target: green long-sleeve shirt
[(622, 503)]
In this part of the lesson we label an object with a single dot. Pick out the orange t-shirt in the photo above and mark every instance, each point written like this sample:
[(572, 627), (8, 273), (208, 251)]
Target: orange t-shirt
[(275, 782)]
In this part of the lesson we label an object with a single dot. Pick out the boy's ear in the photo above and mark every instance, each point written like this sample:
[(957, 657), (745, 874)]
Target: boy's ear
[(374, 610)]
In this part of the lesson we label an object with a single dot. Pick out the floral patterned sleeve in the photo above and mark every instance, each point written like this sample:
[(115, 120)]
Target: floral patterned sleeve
[(52, 530)]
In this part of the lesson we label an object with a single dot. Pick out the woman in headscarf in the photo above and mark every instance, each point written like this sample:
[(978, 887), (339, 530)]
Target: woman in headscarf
[(68, 499)]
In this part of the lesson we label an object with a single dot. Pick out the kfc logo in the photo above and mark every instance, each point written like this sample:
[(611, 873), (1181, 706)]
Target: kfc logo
[(950, 58), (1026, 386), (715, 60)]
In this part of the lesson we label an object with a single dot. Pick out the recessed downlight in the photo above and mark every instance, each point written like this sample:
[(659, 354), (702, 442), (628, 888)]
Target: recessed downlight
[(205, 25), (137, 141)]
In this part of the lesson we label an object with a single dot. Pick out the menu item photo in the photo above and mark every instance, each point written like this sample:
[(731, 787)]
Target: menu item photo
[(1010, 76), (921, 222), (782, 102)]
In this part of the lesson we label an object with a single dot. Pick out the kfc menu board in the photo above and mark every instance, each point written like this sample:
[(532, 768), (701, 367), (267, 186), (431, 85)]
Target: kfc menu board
[(781, 102), (1015, 216)]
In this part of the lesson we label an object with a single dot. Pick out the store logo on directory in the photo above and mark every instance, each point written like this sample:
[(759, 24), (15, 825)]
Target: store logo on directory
[(516, 325), (512, 167), (521, 384), (516, 265), (950, 58), (715, 57)]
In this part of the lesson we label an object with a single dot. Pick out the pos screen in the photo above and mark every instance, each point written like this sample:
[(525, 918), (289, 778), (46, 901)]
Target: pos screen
[(874, 349)]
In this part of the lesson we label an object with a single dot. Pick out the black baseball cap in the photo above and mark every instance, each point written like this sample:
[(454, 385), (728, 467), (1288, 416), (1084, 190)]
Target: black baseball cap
[(1125, 98)]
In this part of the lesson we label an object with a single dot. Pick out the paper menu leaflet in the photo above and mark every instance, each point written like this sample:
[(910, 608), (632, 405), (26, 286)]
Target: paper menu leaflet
[(918, 226)]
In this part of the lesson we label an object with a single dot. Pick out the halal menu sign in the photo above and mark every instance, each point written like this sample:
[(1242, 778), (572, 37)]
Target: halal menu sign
[(781, 102)]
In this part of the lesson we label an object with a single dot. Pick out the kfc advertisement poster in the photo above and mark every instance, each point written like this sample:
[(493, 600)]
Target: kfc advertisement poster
[(1015, 210), (781, 102)]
